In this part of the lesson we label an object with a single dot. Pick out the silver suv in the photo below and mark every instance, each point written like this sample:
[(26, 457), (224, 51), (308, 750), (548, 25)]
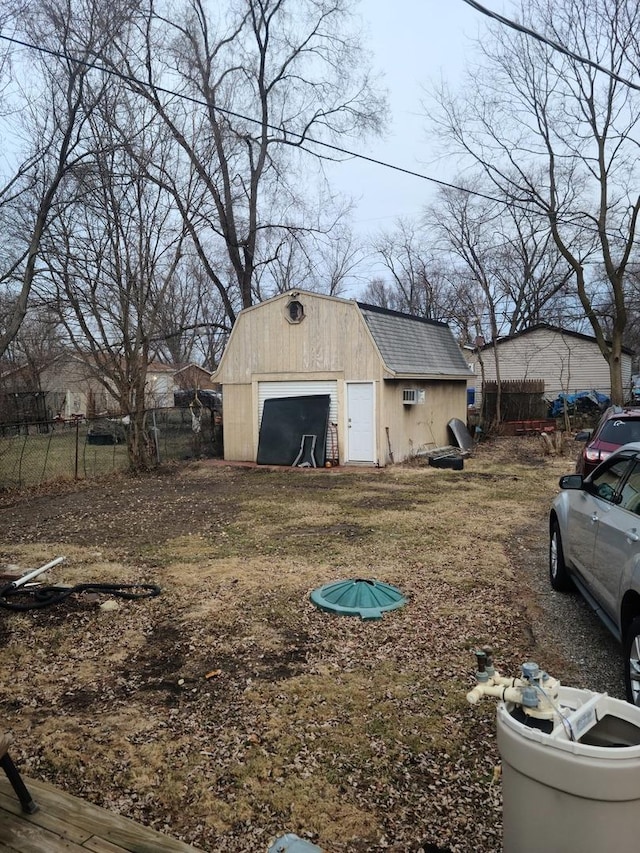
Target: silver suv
[(594, 545)]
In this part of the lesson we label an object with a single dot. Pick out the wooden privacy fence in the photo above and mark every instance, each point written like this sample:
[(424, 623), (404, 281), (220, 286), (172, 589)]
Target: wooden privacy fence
[(520, 400)]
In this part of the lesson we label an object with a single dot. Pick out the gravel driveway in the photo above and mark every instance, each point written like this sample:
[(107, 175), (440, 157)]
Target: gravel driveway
[(588, 655)]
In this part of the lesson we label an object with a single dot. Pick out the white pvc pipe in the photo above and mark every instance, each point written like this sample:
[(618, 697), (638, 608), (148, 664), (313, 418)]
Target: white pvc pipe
[(507, 694), (34, 574)]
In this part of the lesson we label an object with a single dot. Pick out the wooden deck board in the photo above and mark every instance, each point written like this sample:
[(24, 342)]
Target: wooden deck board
[(20, 835), (99, 845), (66, 823), (9, 803)]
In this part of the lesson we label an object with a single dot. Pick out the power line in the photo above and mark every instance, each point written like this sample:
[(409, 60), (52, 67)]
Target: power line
[(304, 138), (128, 78), (514, 25)]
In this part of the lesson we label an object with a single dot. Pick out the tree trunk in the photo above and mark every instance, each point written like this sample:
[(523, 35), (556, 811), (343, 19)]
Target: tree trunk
[(140, 449), (615, 370)]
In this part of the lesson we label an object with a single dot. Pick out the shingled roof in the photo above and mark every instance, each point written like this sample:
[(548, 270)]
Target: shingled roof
[(413, 346)]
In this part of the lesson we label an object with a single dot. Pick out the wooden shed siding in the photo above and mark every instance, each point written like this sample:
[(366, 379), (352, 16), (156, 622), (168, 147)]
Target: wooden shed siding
[(423, 425), (332, 337), (238, 414), (566, 363)]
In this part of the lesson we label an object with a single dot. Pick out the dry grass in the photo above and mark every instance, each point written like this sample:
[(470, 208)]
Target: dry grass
[(229, 710)]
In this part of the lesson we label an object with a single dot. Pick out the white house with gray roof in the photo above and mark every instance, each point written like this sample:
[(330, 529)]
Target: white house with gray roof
[(391, 382), (566, 361)]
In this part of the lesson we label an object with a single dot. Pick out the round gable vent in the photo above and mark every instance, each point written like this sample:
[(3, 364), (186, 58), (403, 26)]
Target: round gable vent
[(367, 599)]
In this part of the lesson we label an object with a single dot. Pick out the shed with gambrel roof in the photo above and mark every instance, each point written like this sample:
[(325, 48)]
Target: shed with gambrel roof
[(393, 381)]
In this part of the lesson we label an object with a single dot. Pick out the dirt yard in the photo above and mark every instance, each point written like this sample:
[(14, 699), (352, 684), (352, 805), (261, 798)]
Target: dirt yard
[(228, 709)]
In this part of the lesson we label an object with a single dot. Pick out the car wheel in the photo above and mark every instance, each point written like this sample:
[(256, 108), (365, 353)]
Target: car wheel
[(558, 574), (632, 662)]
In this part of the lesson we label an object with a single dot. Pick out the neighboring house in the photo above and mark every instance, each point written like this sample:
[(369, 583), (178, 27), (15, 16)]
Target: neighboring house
[(72, 389), (193, 377), (31, 394), (160, 385), (393, 381), (566, 361), (163, 380), (68, 386)]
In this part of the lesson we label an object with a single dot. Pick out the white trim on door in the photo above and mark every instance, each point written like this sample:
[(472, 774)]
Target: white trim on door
[(360, 422)]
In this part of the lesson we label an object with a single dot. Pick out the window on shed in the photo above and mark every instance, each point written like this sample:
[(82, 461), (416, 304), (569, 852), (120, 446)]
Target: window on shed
[(295, 311)]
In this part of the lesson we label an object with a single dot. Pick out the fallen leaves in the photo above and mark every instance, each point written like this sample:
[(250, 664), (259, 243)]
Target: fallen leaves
[(229, 710)]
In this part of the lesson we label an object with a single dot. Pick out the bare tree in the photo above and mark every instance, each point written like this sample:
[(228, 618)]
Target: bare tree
[(112, 255), (380, 292), (289, 259), (554, 133), (38, 342), (510, 275), (341, 257), (53, 92), (416, 282), (257, 84), (191, 324), (530, 270), (300, 258)]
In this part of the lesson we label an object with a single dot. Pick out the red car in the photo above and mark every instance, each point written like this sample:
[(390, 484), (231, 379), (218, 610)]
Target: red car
[(616, 427)]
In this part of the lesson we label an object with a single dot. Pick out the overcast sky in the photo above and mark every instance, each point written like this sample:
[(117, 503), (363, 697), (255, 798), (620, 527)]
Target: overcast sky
[(414, 42)]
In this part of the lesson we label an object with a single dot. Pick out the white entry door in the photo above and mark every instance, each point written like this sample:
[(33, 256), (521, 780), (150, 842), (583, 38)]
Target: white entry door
[(360, 445)]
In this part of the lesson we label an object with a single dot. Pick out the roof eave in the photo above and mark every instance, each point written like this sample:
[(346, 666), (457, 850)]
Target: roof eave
[(418, 377)]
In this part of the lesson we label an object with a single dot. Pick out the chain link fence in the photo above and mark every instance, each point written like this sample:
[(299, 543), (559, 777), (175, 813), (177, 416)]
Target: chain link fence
[(32, 454)]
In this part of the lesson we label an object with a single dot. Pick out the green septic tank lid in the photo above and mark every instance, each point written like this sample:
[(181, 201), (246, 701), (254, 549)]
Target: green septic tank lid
[(365, 598)]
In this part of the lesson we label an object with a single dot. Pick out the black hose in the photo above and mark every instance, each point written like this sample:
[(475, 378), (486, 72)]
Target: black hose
[(45, 596)]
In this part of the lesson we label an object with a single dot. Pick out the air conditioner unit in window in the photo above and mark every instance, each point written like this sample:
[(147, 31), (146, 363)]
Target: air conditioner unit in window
[(409, 396)]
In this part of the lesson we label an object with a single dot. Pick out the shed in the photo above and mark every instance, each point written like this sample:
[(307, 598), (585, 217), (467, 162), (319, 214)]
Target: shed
[(391, 381), (566, 361)]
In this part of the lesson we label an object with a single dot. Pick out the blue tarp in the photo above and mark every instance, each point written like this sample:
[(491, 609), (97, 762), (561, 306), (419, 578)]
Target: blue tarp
[(581, 401)]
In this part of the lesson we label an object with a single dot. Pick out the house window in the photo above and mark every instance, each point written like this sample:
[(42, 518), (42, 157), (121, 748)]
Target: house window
[(295, 311)]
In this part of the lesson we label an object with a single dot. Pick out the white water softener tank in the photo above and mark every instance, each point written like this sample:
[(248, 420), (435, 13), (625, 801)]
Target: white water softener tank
[(571, 784)]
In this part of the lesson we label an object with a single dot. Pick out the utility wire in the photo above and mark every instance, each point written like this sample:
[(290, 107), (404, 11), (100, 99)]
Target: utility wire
[(514, 25), (128, 78)]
